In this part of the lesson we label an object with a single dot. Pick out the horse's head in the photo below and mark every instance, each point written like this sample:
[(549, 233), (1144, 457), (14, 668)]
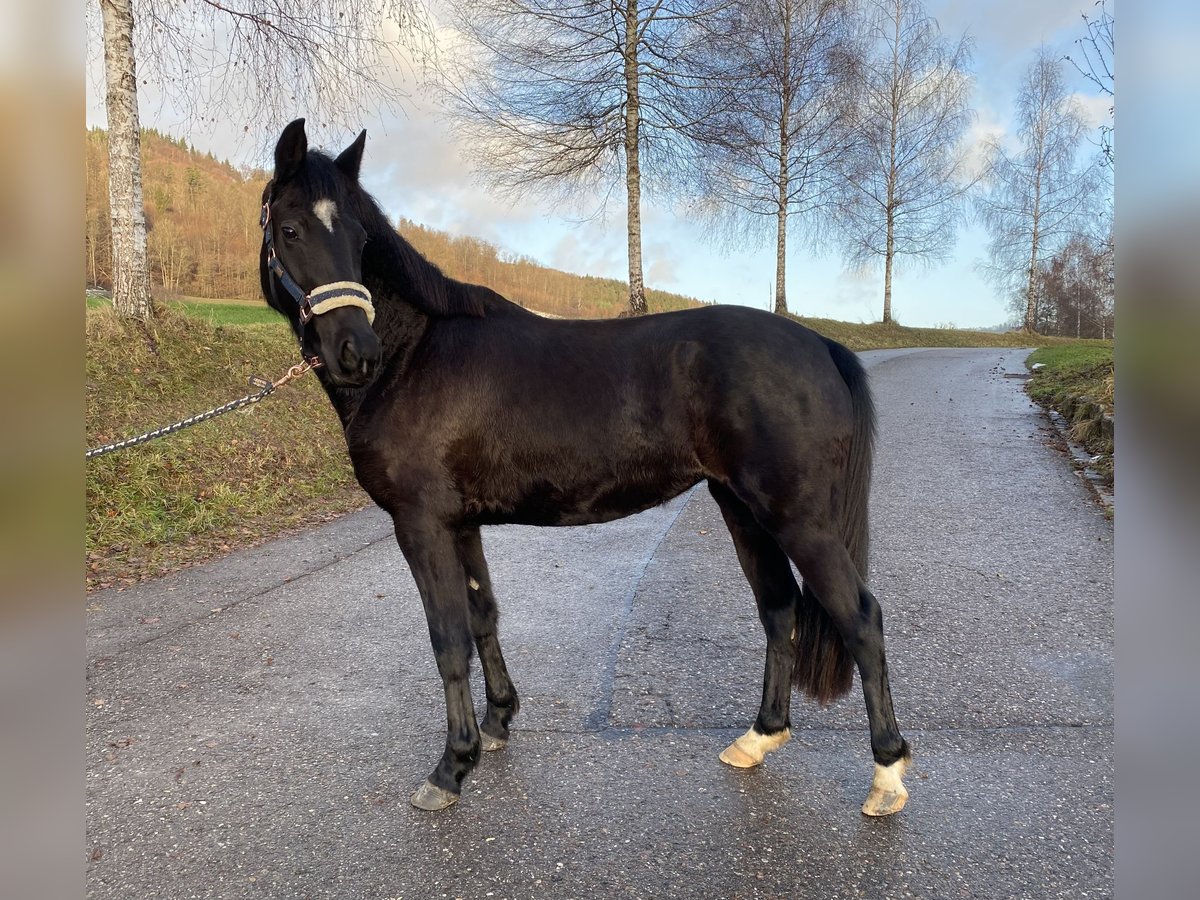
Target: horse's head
[(311, 263)]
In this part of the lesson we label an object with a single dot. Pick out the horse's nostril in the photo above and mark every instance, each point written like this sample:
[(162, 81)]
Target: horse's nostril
[(349, 356)]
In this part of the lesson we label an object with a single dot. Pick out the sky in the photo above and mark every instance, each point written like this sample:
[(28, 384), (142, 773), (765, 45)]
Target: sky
[(414, 169)]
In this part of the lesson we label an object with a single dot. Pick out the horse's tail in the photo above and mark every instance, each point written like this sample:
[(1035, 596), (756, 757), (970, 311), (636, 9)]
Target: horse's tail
[(855, 530), (824, 668)]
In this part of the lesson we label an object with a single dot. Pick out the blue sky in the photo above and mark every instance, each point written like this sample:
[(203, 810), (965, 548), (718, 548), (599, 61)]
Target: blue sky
[(414, 170)]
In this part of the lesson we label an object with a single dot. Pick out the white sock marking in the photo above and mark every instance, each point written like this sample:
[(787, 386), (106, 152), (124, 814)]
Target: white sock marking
[(887, 778)]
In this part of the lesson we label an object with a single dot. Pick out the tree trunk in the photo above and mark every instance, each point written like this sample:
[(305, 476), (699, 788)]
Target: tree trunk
[(633, 173), (1036, 221), (781, 254), (893, 140), (887, 274), (1031, 289), (781, 230), (130, 274)]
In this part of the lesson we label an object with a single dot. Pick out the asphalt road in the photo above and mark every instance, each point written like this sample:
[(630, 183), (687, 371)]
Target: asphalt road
[(255, 726)]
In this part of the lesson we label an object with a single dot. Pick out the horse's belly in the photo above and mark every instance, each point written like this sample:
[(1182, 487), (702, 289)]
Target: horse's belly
[(542, 502)]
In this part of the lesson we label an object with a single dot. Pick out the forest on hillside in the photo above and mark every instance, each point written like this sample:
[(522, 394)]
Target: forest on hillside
[(203, 238)]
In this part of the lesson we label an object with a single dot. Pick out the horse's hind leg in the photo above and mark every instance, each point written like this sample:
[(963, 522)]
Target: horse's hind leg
[(775, 589), (830, 573), (502, 703)]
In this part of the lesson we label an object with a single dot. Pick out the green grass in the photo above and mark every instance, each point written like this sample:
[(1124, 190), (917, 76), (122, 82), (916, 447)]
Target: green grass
[(1077, 380), (877, 336), (218, 313), (215, 312)]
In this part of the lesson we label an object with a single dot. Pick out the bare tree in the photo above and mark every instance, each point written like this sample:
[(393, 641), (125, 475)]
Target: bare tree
[(903, 194), (253, 60), (568, 98), (778, 121), (1077, 291), (1039, 194), (1095, 63)]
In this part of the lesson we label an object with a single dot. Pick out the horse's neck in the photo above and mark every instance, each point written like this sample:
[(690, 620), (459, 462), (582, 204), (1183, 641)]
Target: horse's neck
[(400, 327)]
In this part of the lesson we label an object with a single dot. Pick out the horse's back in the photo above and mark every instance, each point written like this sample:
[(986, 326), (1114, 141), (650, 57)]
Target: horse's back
[(543, 421)]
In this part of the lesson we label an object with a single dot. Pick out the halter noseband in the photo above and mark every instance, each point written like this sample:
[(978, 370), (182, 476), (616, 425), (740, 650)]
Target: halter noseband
[(320, 299)]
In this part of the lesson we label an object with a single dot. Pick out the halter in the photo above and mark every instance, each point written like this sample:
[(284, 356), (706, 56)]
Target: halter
[(320, 299)]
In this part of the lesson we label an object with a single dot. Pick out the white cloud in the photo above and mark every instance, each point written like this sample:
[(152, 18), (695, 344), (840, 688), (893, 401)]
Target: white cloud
[(663, 271), (589, 248), (986, 128), (1012, 26), (1095, 108)]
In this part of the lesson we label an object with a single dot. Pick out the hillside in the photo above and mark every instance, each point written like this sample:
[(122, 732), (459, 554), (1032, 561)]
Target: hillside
[(203, 238)]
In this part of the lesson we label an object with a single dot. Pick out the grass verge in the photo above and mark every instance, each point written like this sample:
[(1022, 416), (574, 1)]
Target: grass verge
[(235, 480), (878, 336), (1077, 380)]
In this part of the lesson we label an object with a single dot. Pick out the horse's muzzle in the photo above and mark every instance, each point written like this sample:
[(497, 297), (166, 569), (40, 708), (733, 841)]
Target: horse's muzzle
[(351, 353), (357, 363)]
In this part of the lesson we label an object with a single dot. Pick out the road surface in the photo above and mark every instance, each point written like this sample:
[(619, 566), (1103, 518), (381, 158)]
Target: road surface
[(255, 725)]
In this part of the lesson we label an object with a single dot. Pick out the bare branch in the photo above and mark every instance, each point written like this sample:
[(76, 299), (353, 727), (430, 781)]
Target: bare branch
[(267, 61)]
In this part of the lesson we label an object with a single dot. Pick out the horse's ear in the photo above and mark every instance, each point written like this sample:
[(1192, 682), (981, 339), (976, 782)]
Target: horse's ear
[(351, 158), (290, 151)]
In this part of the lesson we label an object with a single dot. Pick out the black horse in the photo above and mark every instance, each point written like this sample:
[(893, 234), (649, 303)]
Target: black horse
[(462, 409)]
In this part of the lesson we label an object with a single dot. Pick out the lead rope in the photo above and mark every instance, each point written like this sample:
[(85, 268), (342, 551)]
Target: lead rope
[(266, 388)]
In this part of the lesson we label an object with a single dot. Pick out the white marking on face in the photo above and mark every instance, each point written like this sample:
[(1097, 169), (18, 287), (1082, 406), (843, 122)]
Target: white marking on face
[(325, 210)]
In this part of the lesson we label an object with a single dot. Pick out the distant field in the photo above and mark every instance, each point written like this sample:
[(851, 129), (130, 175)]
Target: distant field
[(216, 312), (235, 312)]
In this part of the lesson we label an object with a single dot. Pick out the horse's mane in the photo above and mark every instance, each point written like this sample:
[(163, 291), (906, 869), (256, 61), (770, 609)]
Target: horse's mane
[(391, 265)]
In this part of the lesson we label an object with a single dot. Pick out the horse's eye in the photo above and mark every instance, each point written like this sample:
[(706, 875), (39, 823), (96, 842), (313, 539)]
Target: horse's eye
[(289, 232)]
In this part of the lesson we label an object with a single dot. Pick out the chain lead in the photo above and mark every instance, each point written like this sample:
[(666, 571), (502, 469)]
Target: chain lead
[(265, 388)]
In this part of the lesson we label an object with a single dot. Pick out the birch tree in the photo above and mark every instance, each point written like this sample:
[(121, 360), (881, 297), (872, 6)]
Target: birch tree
[(1039, 193), (779, 128), (903, 193), (573, 98), (253, 61), (130, 272)]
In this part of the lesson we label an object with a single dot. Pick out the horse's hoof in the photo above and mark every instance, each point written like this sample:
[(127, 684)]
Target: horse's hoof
[(430, 797), (888, 794), (488, 743), (751, 748)]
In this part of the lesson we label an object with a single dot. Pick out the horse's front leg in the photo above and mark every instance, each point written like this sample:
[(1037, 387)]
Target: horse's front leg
[(432, 556)]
